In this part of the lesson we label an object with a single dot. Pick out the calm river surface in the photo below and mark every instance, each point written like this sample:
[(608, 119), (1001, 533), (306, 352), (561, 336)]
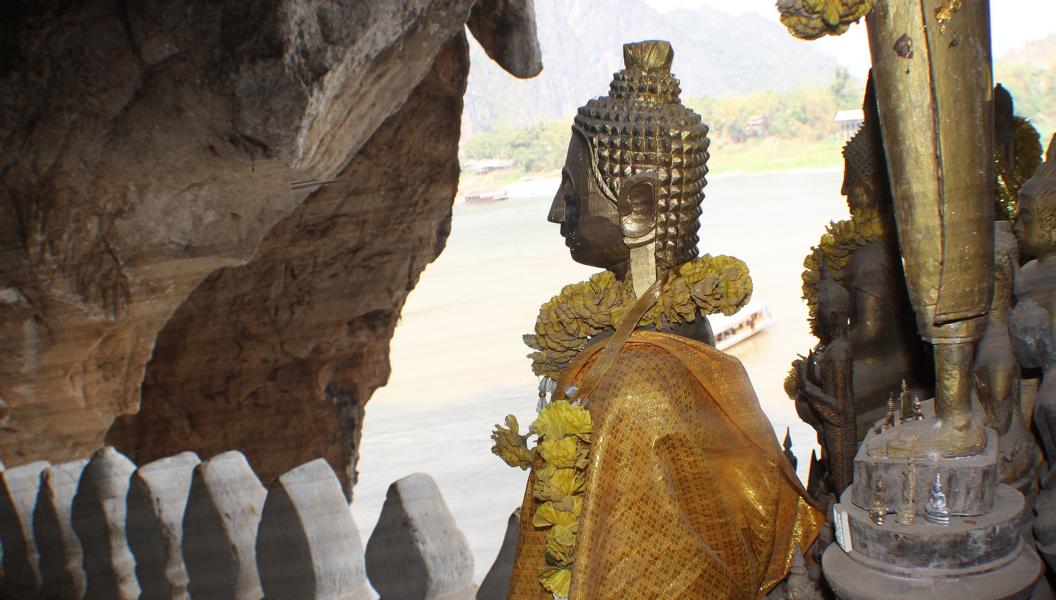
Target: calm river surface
[(459, 366)]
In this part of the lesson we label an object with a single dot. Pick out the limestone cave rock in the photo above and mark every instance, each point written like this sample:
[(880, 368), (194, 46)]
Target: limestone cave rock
[(158, 262)]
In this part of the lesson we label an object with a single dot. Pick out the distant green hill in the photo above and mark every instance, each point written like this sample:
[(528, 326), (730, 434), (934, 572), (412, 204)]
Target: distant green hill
[(716, 55), (1030, 75)]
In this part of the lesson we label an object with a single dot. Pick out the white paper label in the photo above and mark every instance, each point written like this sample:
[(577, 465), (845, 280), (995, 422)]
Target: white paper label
[(842, 523)]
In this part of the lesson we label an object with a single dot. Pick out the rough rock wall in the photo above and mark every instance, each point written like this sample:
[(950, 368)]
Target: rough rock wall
[(296, 340), (146, 150)]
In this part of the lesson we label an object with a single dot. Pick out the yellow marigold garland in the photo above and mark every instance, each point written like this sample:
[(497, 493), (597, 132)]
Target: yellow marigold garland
[(840, 240), (704, 286), (564, 442), (812, 19)]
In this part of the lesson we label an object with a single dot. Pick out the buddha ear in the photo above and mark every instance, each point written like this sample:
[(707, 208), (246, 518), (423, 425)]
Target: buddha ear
[(637, 207)]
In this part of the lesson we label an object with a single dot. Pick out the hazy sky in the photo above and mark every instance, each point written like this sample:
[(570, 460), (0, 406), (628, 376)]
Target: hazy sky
[(1013, 22)]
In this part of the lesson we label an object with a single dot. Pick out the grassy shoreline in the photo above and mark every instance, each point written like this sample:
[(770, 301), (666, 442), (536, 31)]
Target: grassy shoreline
[(750, 158)]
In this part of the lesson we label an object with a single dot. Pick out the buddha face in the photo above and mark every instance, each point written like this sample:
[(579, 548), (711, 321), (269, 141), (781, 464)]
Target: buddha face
[(858, 191), (1029, 229), (589, 222)]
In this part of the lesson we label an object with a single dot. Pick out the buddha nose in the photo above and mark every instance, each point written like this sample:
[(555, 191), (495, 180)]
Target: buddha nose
[(557, 207)]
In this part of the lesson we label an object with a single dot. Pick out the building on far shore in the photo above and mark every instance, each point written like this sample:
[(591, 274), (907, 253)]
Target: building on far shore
[(480, 167), (849, 121)]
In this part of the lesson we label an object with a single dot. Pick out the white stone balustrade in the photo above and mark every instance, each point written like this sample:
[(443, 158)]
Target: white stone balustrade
[(61, 569), (179, 529), (219, 529), (157, 500), (496, 584), (416, 550), (99, 516), (308, 545), (19, 488)]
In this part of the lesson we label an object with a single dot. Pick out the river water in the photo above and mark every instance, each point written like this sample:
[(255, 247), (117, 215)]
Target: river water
[(459, 366)]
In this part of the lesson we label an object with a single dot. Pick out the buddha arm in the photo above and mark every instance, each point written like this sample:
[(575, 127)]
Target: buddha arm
[(824, 405)]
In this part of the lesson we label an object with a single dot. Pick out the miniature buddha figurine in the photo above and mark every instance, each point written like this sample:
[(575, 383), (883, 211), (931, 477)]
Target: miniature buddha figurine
[(1031, 323), (657, 475), (936, 511)]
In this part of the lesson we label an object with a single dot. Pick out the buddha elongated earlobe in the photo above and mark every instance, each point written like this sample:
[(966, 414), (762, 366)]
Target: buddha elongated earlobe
[(637, 207)]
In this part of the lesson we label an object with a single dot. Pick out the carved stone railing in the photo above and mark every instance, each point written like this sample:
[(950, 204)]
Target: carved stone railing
[(182, 528)]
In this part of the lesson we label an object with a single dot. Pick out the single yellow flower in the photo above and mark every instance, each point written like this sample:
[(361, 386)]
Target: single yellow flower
[(561, 535), (559, 419), (570, 504), (549, 515), (510, 445), (560, 453), (560, 544), (556, 580), (555, 484)]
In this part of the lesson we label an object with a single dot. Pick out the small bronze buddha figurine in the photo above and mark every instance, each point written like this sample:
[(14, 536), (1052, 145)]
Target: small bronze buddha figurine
[(654, 440)]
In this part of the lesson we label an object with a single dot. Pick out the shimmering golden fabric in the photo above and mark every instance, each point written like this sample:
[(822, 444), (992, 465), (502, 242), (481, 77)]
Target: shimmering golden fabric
[(687, 492)]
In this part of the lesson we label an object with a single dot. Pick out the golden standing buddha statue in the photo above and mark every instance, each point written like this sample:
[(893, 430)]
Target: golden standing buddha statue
[(932, 65), (657, 475)]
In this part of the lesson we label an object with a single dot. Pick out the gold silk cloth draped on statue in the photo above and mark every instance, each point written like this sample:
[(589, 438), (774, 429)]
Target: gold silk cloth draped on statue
[(687, 494)]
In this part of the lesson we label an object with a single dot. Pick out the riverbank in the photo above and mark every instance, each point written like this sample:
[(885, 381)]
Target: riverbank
[(757, 157)]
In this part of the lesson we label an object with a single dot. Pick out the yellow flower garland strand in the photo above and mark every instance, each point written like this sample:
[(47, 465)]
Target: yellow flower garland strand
[(704, 286), (564, 444), (564, 437)]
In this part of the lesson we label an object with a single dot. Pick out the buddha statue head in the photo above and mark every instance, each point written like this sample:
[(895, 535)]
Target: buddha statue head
[(1036, 222), (865, 174), (633, 179)]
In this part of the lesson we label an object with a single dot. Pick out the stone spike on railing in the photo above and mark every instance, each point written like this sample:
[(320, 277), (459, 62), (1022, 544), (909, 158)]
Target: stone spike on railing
[(19, 487), (308, 547), (219, 529), (417, 551), (496, 584), (59, 547), (157, 499), (99, 519)]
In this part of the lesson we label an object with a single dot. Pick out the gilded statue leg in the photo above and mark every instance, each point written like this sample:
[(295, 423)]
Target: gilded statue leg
[(953, 432)]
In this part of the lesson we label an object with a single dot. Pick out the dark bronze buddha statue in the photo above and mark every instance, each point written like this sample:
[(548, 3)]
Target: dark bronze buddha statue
[(861, 256), (653, 440), (1032, 323)]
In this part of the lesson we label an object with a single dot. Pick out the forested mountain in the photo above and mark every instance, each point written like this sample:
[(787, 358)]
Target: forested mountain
[(1030, 75), (716, 54)]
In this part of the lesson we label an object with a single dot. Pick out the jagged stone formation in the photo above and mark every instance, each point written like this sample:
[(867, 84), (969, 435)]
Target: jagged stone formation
[(152, 234)]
